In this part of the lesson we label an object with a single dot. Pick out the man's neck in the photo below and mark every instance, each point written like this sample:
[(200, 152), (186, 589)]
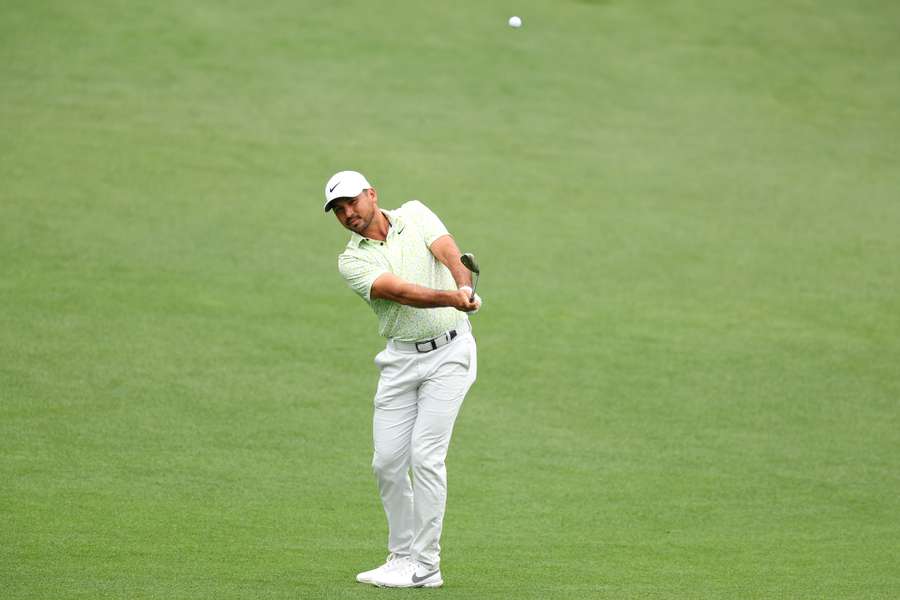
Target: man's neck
[(378, 228)]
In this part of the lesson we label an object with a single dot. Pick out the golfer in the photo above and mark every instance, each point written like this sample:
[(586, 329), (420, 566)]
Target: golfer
[(407, 267)]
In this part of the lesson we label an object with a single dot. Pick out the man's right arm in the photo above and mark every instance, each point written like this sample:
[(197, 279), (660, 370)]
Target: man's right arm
[(390, 287)]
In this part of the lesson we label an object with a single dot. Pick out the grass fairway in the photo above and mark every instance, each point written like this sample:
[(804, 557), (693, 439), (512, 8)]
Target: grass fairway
[(687, 215)]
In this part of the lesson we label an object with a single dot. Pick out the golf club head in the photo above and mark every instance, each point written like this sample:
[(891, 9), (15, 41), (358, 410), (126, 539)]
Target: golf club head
[(468, 259)]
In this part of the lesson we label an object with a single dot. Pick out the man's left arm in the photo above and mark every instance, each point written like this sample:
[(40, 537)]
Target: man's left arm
[(439, 242), (445, 250)]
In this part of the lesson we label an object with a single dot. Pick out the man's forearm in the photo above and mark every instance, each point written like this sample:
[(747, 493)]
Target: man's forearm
[(445, 250), (419, 296)]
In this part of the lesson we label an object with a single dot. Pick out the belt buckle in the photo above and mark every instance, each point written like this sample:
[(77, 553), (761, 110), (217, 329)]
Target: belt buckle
[(427, 350), (449, 336)]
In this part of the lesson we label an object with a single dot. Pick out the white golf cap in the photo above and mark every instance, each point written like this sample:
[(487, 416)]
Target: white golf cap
[(346, 184)]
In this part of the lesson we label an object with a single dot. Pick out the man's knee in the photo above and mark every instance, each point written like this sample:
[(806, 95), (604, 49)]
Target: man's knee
[(387, 465), (427, 460)]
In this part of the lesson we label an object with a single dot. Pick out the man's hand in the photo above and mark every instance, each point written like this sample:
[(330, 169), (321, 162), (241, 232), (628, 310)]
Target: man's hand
[(461, 300), (476, 301)]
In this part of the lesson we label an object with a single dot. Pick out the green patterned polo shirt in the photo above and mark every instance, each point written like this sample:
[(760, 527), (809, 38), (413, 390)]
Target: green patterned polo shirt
[(406, 254)]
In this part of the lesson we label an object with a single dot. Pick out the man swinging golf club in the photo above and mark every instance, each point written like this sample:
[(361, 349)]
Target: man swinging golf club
[(408, 268)]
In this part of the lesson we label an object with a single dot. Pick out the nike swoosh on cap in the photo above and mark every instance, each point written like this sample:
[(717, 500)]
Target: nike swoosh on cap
[(334, 186), (424, 577)]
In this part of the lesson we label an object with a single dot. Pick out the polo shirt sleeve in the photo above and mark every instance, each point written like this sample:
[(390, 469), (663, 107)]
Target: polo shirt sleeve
[(360, 273), (430, 225)]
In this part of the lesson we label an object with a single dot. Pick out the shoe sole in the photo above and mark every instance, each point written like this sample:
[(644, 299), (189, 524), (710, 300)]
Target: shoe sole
[(430, 584)]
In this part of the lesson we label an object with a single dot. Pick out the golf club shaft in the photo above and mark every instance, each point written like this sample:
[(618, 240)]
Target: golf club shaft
[(474, 285)]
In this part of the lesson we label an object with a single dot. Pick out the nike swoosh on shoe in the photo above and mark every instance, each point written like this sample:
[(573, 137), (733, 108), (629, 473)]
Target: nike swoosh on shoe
[(424, 577)]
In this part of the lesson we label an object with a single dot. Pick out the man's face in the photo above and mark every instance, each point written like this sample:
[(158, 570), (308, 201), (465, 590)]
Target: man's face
[(356, 214)]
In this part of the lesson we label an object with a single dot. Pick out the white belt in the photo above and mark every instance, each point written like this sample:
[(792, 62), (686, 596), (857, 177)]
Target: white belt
[(434, 343)]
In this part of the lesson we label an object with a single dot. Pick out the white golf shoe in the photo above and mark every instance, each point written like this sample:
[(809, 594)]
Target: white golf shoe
[(392, 562), (410, 573)]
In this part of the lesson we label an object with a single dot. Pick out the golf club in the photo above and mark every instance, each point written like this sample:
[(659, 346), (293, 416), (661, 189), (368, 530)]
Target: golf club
[(468, 260)]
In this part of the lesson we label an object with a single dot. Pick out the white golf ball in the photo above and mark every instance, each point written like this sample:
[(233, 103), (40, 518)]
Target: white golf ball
[(515, 22)]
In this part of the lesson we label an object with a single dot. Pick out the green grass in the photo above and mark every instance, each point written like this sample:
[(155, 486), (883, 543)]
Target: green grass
[(688, 218)]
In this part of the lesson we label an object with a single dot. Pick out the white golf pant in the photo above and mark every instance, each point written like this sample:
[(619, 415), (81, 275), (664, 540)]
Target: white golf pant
[(418, 398)]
